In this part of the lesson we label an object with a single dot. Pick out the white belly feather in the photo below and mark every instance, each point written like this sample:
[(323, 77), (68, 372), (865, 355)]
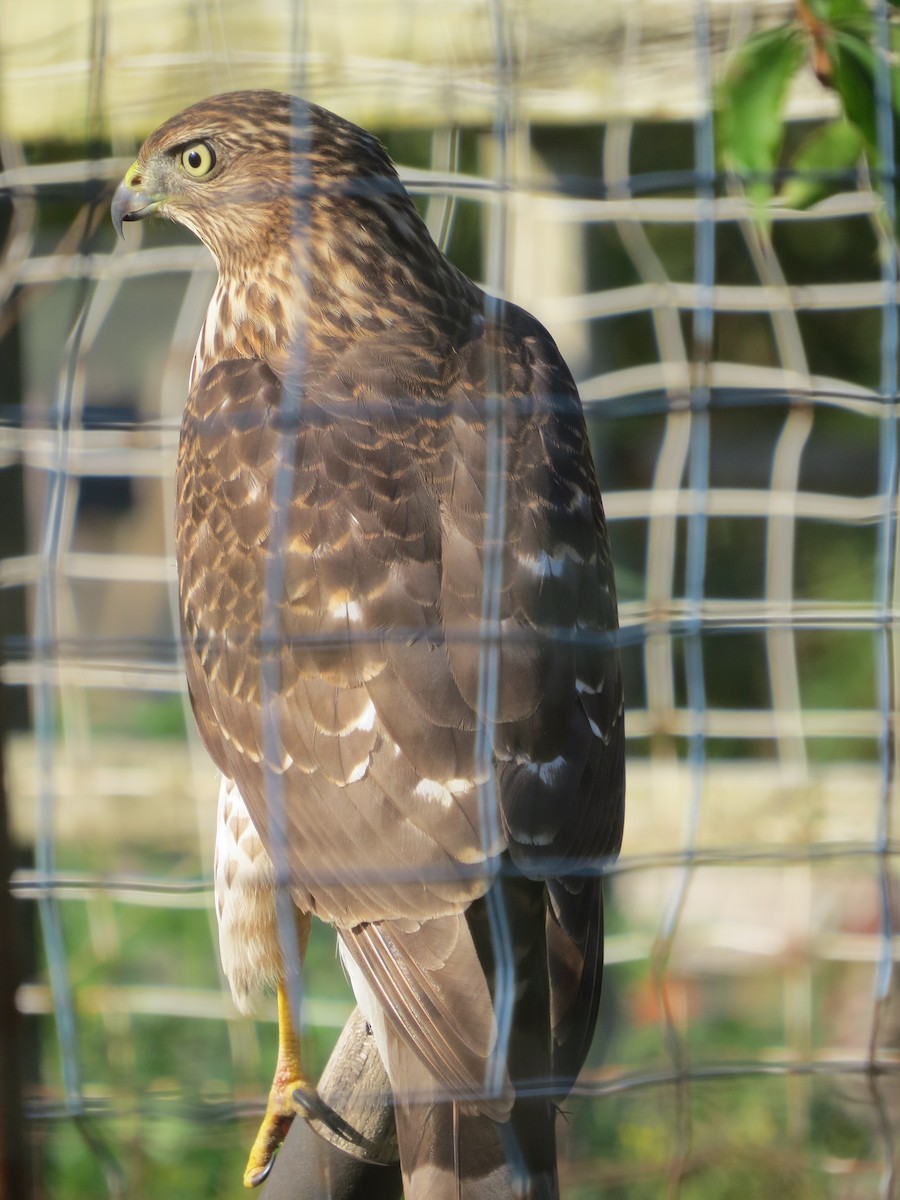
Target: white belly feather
[(245, 902)]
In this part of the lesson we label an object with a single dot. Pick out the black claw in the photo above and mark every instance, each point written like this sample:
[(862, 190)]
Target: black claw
[(316, 1109), (264, 1174)]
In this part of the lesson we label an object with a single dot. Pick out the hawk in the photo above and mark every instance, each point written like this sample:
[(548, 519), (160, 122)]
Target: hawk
[(399, 617)]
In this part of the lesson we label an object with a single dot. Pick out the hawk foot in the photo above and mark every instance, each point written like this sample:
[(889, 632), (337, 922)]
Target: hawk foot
[(287, 1099), (276, 1122), (290, 1078)]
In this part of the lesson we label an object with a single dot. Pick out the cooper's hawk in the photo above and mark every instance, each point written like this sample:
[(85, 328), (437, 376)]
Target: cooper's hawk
[(398, 613)]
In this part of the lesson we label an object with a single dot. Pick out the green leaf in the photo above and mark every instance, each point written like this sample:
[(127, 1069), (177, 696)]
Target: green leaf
[(750, 106), (843, 12), (829, 151), (853, 75), (854, 64)]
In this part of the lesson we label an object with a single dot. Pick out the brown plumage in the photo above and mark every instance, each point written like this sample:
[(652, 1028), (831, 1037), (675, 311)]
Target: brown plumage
[(398, 607)]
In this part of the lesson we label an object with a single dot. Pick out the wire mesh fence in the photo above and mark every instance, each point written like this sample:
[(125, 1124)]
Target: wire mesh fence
[(739, 393)]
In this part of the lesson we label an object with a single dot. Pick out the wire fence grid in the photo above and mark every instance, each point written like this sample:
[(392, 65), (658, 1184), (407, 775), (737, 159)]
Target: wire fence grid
[(740, 397)]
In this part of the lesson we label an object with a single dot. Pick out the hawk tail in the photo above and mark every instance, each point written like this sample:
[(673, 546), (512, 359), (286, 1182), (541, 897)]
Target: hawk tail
[(451, 1151), (489, 1147)]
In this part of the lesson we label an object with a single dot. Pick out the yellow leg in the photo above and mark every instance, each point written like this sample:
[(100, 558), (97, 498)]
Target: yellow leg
[(281, 1107), (292, 1093)]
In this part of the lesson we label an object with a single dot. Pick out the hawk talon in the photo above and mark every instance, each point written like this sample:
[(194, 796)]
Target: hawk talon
[(253, 1181), (273, 1130), (315, 1109)]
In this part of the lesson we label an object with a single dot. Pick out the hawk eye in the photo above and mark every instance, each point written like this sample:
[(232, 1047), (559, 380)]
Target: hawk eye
[(198, 160)]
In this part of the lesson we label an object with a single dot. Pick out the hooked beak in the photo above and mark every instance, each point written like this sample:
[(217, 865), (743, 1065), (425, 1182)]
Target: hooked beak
[(130, 202)]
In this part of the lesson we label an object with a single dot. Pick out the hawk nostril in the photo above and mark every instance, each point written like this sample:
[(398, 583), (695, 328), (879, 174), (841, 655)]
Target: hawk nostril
[(136, 180)]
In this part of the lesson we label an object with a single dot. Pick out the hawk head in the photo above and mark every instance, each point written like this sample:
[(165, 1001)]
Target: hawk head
[(286, 194), (233, 168)]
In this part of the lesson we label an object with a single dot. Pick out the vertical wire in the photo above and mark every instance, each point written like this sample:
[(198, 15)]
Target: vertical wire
[(219, 62), (91, 318), (57, 504), (289, 414), (492, 568), (695, 568), (45, 729), (887, 532), (441, 209), (57, 511), (242, 1034)]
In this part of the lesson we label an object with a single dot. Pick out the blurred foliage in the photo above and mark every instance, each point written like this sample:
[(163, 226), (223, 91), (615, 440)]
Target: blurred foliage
[(838, 40), (738, 1129)]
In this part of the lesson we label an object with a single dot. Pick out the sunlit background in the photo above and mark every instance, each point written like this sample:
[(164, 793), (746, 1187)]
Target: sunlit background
[(738, 373)]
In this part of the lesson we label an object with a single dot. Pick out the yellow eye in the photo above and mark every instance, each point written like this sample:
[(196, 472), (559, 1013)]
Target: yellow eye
[(198, 160)]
